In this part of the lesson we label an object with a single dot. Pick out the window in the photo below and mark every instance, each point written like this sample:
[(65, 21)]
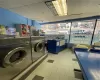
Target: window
[(81, 32), (96, 37)]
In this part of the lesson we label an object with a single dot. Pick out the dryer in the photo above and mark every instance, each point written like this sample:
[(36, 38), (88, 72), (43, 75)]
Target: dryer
[(38, 47), (15, 57)]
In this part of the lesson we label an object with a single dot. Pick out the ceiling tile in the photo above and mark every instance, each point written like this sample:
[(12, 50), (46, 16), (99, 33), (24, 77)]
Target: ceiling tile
[(36, 9), (17, 3)]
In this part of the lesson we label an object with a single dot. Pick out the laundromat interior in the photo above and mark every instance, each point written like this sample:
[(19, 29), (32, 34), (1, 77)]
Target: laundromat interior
[(49, 39)]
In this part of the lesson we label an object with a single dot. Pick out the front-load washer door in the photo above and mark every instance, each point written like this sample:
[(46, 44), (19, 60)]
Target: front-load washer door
[(38, 50), (39, 47), (14, 57)]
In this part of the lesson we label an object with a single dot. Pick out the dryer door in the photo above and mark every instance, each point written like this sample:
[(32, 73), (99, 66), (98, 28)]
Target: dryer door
[(14, 57), (39, 47)]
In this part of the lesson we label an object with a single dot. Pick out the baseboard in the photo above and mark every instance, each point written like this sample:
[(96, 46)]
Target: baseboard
[(30, 69)]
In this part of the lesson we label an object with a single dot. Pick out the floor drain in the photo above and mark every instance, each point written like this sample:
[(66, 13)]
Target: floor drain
[(74, 59), (38, 78), (50, 61)]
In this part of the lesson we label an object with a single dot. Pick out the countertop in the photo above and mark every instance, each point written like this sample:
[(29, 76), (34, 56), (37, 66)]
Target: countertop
[(89, 63)]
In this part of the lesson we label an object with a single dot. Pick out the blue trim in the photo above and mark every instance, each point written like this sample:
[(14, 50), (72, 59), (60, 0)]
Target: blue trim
[(94, 51), (70, 20)]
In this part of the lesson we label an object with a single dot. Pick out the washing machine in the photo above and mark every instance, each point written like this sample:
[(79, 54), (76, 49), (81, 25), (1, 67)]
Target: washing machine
[(15, 57), (38, 47)]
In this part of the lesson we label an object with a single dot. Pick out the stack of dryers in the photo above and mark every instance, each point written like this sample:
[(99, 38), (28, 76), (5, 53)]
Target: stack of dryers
[(15, 56), (38, 47)]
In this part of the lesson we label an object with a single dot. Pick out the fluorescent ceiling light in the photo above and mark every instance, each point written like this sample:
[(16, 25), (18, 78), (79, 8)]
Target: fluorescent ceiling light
[(64, 6), (60, 6), (57, 7)]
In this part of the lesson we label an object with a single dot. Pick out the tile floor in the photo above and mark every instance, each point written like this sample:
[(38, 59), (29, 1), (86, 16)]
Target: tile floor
[(60, 69)]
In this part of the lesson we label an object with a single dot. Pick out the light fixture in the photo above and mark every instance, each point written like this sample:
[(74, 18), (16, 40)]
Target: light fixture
[(51, 7), (64, 4), (57, 7), (60, 6)]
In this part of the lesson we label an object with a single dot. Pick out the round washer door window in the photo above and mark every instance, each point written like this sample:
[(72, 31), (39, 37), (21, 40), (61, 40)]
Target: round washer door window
[(38, 47), (15, 56)]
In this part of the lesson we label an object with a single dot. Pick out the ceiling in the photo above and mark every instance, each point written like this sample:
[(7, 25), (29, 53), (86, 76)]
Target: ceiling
[(37, 9)]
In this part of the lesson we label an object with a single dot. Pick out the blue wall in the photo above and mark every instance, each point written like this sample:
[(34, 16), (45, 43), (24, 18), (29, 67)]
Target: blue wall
[(8, 18), (36, 24), (29, 22)]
